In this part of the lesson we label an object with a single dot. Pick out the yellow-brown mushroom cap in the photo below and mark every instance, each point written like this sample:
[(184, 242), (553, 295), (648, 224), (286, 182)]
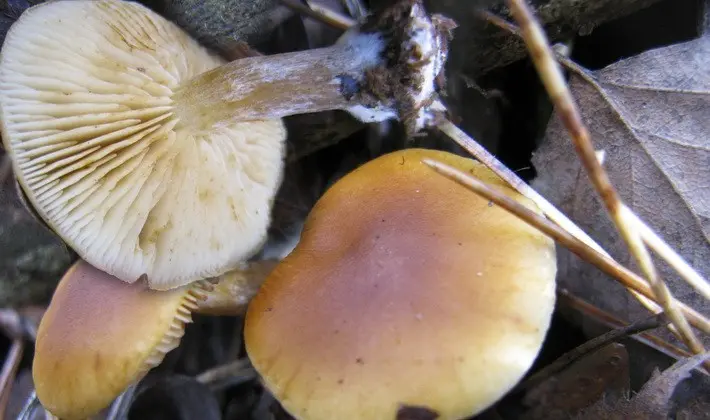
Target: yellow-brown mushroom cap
[(405, 289), (99, 335)]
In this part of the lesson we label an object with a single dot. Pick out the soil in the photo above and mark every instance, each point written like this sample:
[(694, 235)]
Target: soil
[(398, 77)]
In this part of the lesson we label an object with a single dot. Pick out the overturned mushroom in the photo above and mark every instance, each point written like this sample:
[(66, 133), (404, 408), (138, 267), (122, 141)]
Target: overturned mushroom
[(149, 155), (403, 292), (100, 335)]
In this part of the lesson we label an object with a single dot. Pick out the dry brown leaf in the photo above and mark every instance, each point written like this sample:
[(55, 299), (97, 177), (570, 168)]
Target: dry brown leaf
[(653, 401), (650, 115)]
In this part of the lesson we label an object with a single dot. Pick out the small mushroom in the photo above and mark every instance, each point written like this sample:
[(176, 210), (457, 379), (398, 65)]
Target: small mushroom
[(99, 335), (404, 291), (150, 155)]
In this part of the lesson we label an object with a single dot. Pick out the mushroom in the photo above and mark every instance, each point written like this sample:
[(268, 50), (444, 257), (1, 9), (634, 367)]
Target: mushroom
[(99, 335), (149, 155), (404, 293)]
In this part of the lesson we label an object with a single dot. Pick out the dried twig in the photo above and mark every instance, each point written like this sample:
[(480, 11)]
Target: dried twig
[(564, 237), (553, 80), (237, 371), (18, 325), (321, 14), (121, 405), (567, 299), (338, 18), (665, 251), (468, 143), (498, 21), (473, 147), (9, 371)]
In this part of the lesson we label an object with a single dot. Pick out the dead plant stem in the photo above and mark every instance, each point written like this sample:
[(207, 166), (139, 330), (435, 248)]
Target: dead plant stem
[(322, 14), (565, 298), (9, 371)]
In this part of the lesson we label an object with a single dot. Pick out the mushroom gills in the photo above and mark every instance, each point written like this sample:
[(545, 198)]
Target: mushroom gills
[(88, 118)]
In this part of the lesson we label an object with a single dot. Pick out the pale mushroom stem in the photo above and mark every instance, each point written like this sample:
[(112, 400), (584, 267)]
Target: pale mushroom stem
[(232, 291), (274, 86), (386, 68)]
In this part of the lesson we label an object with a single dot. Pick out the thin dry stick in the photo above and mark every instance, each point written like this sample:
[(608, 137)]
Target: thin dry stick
[(665, 251), (565, 298), (649, 236), (9, 370), (465, 141), (556, 87), (321, 14), (605, 263), (237, 368), (338, 19), (498, 21)]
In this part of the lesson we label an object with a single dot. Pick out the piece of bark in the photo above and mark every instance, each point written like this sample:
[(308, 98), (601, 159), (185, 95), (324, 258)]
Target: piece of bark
[(222, 24), (479, 47)]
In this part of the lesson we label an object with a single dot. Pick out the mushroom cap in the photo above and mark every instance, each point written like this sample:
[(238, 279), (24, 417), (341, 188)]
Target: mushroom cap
[(99, 335), (405, 290), (88, 119)]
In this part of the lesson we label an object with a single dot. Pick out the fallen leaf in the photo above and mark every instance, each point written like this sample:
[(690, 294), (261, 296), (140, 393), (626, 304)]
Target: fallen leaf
[(650, 115), (603, 373), (653, 401)]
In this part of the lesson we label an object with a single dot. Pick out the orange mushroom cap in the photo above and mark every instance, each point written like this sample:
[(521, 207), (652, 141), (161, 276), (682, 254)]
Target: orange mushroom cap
[(405, 290), (99, 335)]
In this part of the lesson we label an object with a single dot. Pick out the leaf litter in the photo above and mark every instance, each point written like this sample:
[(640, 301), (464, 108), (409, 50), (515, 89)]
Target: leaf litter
[(648, 114)]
